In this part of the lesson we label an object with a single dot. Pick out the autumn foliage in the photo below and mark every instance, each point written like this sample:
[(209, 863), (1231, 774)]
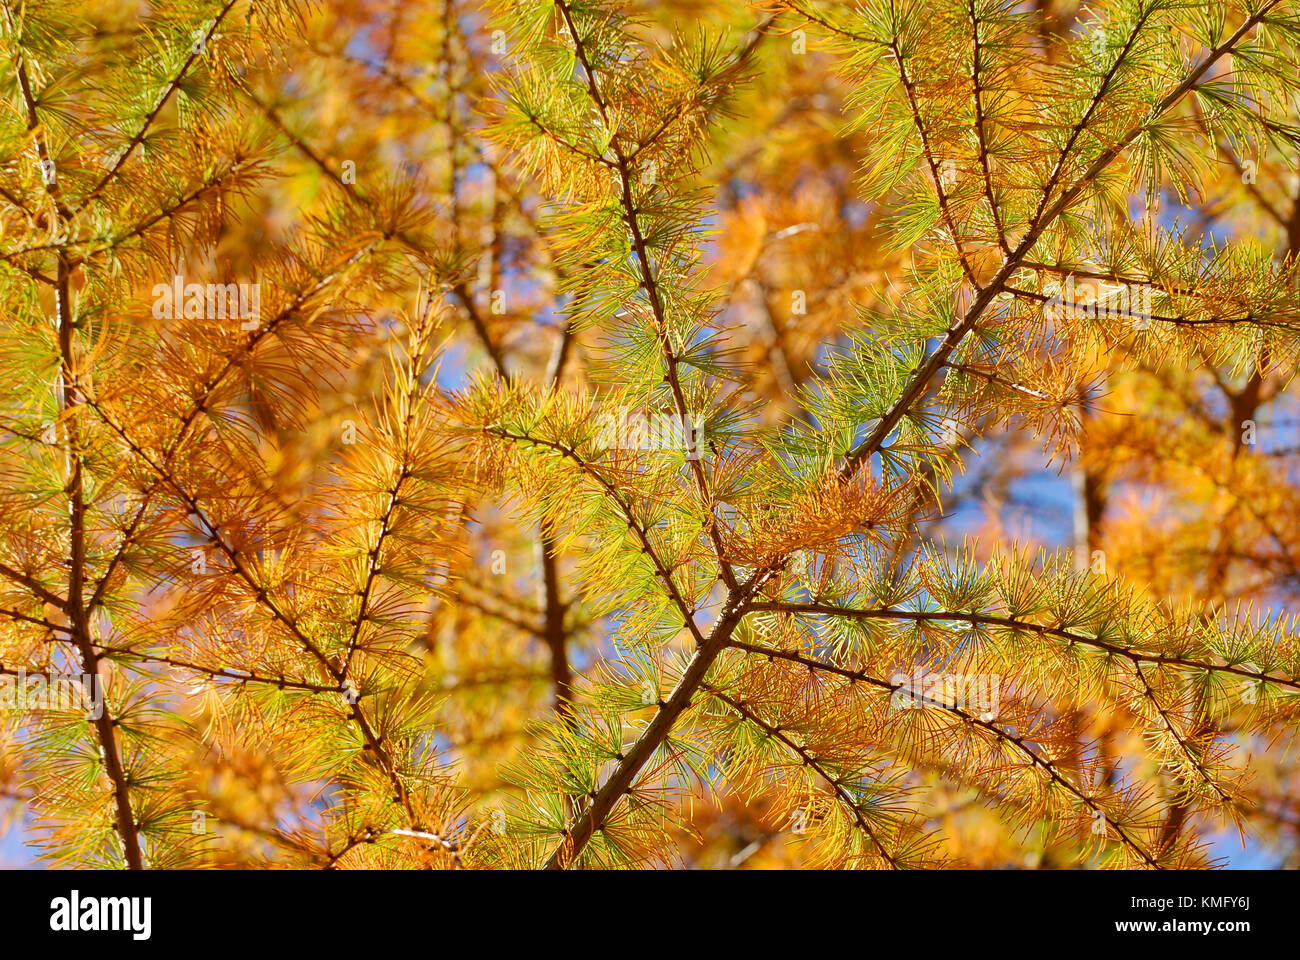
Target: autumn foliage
[(604, 434)]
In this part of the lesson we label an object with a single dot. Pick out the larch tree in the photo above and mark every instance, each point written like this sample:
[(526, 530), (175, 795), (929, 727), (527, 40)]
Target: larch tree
[(595, 433)]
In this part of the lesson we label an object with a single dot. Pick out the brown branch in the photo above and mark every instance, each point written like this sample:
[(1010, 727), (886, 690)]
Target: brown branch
[(980, 135), (592, 816), (196, 51), (206, 391), (70, 397), (358, 196), (1047, 766), (638, 529), (978, 619), (836, 783), (218, 673), (212, 533), (18, 577), (909, 88), (1044, 216), (649, 283)]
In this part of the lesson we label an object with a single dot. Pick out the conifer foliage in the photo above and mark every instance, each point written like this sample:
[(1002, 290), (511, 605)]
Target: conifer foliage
[(582, 434)]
